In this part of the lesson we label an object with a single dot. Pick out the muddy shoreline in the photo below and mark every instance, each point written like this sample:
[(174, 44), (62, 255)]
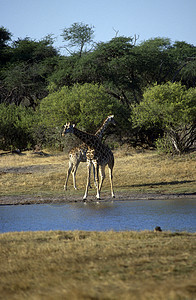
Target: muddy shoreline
[(63, 198)]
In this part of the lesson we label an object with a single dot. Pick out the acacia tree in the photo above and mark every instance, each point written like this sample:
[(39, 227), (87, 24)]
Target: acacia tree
[(185, 56), (113, 64), (79, 35), (173, 109), (126, 68), (24, 77), (5, 37)]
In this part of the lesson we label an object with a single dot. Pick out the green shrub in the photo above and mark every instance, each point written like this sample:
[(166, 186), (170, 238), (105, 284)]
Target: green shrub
[(171, 108), (85, 105), (15, 127), (164, 145)]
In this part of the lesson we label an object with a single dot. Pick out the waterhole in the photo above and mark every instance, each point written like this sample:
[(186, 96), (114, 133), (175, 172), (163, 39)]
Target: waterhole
[(174, 215)]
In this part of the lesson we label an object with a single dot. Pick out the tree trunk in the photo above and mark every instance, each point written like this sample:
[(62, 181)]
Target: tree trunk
[(183, 138)]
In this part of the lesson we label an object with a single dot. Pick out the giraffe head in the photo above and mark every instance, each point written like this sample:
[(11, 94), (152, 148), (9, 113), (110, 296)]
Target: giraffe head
[(68, 128), (111, 119)]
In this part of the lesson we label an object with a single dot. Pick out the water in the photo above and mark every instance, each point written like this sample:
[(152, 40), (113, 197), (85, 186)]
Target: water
[(173, 215)]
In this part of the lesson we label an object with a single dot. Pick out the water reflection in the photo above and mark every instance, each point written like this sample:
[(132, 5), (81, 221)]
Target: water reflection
[(174, 215)]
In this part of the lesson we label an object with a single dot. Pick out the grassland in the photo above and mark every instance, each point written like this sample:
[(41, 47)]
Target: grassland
[(97, 265), (134, 173)]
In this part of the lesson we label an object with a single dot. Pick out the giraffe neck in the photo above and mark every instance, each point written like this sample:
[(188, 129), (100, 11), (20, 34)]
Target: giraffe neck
[(100, 132), (89, 139)]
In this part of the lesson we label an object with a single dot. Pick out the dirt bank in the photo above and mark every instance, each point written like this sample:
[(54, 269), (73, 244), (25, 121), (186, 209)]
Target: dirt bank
[(63, 198)]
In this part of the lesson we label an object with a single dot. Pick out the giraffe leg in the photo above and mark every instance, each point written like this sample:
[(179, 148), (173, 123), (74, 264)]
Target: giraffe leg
[(90, 186), (68, 173), (88, 179), (111, 181), (94, 176), (74, 170), (102, 173), (96, 167)]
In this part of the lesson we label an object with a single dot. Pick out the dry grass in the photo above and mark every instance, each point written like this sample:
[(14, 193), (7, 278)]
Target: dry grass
[(97, 265), (151, 172), (134, 172)]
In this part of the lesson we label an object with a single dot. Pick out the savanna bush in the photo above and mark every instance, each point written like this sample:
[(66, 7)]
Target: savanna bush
[(171, 108), (16, 124), (85, 105)]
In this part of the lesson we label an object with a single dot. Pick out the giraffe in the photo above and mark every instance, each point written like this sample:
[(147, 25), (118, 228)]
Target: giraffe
[(78, 154), (97, 154)]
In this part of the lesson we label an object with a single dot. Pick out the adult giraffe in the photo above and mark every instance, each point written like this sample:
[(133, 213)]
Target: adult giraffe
[(78, 154), (97, 154)]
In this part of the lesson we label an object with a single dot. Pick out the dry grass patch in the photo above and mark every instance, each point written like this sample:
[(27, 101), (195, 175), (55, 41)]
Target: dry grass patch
[(136, 172), (97, 265), (150, 171)]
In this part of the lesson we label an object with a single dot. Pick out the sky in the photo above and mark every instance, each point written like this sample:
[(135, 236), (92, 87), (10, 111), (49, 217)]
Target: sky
[(174, 19)]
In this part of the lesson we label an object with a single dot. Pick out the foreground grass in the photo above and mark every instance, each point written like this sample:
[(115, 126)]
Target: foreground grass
[(97, 265), (133, 172)]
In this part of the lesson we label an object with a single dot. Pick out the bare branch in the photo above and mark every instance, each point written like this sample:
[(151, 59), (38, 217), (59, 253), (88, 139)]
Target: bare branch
[(116, 32)]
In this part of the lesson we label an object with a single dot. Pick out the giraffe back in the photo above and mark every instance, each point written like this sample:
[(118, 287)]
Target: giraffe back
[(102, 153), (78, 153)]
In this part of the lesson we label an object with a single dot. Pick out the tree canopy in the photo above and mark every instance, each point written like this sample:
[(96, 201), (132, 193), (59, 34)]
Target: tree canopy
[(120, 76), (80, 104), (78, 36), (171, 107)]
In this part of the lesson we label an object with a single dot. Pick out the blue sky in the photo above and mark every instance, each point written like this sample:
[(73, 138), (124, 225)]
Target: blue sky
[(175, 19)]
